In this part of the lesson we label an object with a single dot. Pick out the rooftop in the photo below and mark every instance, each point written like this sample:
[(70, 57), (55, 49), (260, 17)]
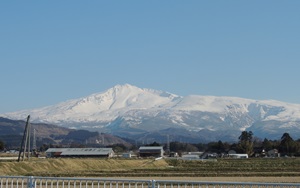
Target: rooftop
[(81, 151)]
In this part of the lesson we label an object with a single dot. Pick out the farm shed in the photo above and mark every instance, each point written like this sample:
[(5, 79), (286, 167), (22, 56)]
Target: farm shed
[(80, 152), (151, 151)]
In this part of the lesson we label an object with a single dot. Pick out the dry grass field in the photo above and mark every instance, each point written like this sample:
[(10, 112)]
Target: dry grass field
[(75, 167), (242, 170)]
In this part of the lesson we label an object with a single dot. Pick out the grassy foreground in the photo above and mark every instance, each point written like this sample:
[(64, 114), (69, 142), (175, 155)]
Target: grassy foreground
[(273, 170)]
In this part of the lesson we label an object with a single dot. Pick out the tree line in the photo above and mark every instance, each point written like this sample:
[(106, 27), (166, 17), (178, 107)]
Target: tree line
[(246, 144)]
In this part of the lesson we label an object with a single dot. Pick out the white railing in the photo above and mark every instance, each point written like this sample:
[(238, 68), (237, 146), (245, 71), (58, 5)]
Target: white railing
[(61, 182), (203, 184)]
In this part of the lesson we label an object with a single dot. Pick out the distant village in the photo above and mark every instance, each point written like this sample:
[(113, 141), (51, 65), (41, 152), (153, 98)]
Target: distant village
[(156, 152), (247, 147)]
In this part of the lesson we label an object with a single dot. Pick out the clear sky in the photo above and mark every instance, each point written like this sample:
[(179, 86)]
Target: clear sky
[(53, 51)]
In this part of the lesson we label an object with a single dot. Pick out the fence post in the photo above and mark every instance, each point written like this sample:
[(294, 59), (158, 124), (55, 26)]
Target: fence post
[(31, 182), (153, 182)]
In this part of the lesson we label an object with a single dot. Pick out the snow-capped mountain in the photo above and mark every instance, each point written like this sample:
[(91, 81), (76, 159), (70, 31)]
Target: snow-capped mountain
[(132, 112)]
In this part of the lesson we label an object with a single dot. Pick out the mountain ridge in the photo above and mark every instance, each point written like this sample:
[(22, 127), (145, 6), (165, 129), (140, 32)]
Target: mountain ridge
[(127, 110)]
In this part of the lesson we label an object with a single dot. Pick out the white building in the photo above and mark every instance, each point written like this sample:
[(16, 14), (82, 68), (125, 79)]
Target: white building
[(239, 156), (126, 155), (190, 157)]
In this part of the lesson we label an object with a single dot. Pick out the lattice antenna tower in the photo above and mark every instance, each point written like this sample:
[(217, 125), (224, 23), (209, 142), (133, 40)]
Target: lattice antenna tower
[(34, 140), (168, 143)]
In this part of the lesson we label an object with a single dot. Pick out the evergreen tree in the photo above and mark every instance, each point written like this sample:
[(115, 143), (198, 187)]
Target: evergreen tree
[(267, 145), (287, 144), (245, 144), (1, 145)]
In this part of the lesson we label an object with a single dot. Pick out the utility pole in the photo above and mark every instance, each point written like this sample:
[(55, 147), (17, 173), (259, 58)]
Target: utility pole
[(22, 142), (29, 141)]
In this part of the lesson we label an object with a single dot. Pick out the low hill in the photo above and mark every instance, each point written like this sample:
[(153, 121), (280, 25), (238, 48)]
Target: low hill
[(11, 133)]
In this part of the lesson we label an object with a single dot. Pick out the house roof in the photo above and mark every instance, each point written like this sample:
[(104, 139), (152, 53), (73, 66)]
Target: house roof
[(81, 151), (151, 148)]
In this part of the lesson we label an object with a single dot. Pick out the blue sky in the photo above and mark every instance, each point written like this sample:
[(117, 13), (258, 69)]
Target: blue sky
[(52, 51)]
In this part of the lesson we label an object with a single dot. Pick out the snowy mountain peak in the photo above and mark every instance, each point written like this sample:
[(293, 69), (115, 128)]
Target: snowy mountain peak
[(104, 106), (128, 108), (123, 88), (127, 88)]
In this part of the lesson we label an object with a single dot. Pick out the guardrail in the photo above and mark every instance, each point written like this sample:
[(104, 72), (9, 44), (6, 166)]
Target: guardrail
[(64, 182)]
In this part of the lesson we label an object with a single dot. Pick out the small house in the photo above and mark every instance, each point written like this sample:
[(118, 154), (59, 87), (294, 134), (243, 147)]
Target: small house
[(273, 153)]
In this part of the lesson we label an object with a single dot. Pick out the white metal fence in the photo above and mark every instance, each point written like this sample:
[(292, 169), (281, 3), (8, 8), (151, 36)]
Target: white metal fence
[(60, 182)]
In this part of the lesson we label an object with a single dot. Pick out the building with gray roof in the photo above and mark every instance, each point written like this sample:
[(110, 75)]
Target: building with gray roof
[(151, 151), (80, 152)]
